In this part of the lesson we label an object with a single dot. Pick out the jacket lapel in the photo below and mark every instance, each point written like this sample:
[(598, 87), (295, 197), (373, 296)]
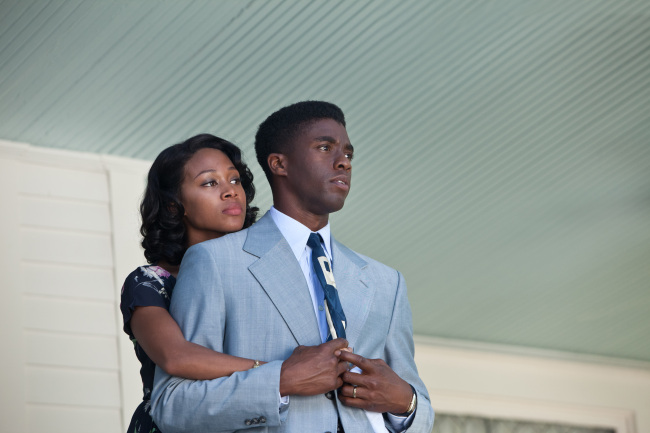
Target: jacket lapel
[(281, 277), (354, 293)]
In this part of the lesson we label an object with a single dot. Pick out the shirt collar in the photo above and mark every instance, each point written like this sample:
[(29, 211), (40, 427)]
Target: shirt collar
[(297, 234)]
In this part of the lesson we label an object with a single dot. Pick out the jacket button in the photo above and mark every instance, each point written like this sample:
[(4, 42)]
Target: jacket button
[(248, 422), (255, 420), (262, 419), (330, 395)]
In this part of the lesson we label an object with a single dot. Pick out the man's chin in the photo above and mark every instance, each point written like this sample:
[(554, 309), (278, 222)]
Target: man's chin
[(335, 206)]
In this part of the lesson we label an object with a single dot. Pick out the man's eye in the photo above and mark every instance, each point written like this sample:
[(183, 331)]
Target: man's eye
[(324, 147), (349, 156)]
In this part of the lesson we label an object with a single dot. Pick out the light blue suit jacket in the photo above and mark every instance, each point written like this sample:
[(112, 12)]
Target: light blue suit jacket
[(245, 294)]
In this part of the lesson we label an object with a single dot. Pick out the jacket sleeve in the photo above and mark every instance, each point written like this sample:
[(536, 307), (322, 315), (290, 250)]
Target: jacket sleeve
[(400, 353), (243, 400)]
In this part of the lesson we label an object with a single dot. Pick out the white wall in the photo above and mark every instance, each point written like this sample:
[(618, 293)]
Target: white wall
[(506, 382), (67, 230), (69, 235)]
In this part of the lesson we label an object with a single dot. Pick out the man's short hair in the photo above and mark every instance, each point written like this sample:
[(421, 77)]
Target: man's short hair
[(277, 132)]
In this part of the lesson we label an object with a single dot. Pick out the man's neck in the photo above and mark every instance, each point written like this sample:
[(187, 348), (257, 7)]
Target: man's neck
[(312, 221)]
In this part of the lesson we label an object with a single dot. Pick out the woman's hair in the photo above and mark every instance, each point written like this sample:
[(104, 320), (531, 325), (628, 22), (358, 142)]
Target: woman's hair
[(163, 231)]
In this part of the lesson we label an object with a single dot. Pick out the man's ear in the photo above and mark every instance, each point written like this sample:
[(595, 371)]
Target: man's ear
[(277, 164)]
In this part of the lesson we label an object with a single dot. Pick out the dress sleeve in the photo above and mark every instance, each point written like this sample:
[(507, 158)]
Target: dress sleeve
[(142, 288)]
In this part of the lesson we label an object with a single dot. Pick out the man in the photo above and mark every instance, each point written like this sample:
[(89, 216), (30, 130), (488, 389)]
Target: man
[(261, 294)]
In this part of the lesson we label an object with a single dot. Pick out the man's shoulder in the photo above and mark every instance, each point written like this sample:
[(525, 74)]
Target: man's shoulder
[(236, 238), (230, 239), (227, 244), (365, 261)]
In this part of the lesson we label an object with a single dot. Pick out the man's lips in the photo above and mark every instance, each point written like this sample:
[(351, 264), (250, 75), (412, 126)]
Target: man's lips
[(232, 209), (342, 182)]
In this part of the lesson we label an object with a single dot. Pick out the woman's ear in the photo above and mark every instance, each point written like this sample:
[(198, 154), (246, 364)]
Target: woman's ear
[(173, 208), (277, 164)]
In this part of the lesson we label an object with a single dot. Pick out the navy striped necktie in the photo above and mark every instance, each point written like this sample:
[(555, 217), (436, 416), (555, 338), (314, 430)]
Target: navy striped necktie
[(323, 269)]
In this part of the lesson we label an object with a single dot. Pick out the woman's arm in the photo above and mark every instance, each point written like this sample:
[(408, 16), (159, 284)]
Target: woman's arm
[(162, 340)]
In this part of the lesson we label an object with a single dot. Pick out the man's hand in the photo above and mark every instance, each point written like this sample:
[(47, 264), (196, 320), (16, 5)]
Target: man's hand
[(378, 387), (313, 370)]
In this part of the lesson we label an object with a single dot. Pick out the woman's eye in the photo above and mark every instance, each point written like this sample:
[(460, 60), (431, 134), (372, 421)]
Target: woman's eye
[(210, 183), (236, 181)]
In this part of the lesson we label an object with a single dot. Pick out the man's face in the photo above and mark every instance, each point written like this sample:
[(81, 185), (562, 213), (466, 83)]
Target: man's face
[(319, 167)]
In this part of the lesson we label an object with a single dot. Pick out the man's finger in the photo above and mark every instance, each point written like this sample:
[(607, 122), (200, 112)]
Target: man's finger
[(341, 368), (354, 378), (354, 402), (338, 344), (357, 360), (348, 390)]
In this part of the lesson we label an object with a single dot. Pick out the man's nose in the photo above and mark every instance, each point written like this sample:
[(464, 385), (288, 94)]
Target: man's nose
[(342, 161)]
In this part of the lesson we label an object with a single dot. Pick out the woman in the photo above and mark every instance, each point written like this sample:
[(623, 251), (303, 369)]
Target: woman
[(196, 190)]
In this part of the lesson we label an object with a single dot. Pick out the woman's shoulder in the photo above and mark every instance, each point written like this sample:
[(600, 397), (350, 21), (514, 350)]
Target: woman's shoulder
[(149, 277), (146, 286), (149, 273)]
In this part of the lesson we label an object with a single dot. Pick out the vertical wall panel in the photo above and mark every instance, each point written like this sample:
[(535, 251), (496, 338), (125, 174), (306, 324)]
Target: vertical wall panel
[(12, 361), (60, 292), (127, 181)]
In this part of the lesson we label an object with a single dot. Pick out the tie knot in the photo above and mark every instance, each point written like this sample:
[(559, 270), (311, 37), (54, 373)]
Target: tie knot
[(314, 240)]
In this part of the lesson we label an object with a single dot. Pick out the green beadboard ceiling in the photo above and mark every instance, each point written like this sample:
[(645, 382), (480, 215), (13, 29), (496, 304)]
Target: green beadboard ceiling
[(502, 147)]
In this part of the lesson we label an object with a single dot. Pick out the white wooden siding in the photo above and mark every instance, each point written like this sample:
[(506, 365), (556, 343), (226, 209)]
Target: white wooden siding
[(70, 419), (65, 214), (46, 348), (62, 318), (72, 281), (66, 242), (62, 182)]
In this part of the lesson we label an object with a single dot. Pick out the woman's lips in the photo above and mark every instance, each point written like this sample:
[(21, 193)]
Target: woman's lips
[(232, 209)]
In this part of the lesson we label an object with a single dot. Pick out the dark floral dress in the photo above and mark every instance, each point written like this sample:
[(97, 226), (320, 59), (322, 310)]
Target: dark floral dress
[(146, 286)]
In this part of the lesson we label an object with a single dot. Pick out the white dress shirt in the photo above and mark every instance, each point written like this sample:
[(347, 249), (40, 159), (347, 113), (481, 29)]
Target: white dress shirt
[(296, 235)]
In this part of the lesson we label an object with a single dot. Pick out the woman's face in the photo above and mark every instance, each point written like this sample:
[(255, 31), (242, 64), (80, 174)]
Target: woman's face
[(212, 195)]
